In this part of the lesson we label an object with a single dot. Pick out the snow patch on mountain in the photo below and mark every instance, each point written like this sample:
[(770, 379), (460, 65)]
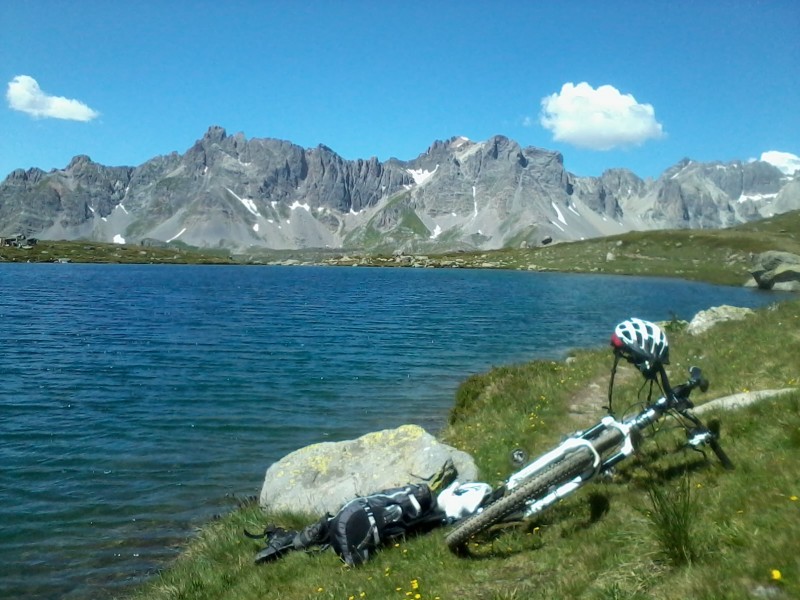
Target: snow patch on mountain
[(422, 175), (247, 202), (756, 197), (180, 233), (295, 205), (560, 215)]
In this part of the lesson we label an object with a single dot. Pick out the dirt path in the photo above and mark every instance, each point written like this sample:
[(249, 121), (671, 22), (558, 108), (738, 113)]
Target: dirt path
[(743, 399), (587, 406)]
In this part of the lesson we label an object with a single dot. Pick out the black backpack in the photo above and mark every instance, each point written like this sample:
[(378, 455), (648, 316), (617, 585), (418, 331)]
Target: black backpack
[(361, 526), (364, 524)]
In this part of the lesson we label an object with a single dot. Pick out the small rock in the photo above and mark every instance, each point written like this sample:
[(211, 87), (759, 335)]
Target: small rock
[(767, 591), (706, 319)]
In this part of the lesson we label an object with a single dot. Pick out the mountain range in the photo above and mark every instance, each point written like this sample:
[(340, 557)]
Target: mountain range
[(230, 192)]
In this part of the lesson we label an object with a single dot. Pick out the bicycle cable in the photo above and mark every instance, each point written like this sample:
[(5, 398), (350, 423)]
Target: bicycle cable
[(611, 381)]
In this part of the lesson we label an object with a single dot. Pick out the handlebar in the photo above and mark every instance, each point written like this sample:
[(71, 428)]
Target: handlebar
[(677, 399), (681, 392), (700, 435)]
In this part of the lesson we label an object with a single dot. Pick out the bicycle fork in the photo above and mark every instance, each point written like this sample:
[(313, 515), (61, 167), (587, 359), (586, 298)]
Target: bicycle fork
[(590, 439)]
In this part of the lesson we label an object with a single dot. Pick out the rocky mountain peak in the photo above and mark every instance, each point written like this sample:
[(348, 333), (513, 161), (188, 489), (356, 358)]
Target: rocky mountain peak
[(79, 162), (215, 134), (228, 191), (21, 175)]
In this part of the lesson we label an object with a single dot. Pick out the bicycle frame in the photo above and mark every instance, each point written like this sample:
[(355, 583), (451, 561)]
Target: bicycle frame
[(560, 452), (624, 443), (582, 456)]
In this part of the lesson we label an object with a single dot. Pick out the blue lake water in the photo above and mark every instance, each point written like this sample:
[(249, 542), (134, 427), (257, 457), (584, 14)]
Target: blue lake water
[(138, 401)]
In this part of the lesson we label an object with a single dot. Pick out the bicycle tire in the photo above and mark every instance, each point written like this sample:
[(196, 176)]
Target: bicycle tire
[(568, 468)]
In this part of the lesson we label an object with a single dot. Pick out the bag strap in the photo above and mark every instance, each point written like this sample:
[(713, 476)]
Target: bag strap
[(373, 528), (268, 531), (414, 502)]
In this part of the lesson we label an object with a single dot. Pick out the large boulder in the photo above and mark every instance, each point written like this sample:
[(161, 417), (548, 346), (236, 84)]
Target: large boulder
[(322, 477), (776, 271), (706, 319)]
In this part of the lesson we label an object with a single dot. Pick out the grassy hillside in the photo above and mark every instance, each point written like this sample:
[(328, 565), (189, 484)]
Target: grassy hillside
[(715, 255), (727, 535), (722, 256), (46, 251)]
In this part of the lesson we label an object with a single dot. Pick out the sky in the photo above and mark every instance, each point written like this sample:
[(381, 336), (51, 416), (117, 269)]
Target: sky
[(639, 85)]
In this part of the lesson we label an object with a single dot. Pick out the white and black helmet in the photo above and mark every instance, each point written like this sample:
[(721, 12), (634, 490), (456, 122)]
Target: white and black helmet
[(641, 342)]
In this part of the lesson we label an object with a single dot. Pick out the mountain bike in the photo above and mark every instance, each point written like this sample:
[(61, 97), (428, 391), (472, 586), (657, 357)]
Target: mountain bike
[(586, 454)]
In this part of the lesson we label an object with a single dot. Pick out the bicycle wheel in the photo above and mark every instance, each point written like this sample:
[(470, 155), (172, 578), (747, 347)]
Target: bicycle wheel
[(575, 463)]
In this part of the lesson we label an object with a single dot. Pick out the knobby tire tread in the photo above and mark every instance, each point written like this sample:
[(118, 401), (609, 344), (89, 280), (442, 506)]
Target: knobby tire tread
[(564, 470)]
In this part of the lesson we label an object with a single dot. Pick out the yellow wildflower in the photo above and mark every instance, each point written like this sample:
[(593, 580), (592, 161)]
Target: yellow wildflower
[(776, 575)]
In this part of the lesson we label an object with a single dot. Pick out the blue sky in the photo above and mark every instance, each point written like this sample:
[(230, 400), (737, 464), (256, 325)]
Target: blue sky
[(633, 84)]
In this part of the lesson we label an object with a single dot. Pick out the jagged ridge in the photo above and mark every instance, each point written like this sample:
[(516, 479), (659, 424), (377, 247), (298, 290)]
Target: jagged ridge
[(230, 192)]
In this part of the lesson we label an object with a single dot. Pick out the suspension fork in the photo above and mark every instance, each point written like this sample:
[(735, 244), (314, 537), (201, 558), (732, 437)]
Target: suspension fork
[(627, 444), (595, 439), (649, 415), (600, 438), (555, 455)]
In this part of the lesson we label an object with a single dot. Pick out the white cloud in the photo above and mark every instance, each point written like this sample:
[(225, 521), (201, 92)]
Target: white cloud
[(25, 95), (598, 119), (785, 161)]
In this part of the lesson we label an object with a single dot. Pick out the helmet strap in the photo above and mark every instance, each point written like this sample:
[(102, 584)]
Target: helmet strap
[(611, 382)]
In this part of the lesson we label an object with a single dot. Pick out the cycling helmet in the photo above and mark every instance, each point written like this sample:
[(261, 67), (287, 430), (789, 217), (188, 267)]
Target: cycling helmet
[(641, 343)]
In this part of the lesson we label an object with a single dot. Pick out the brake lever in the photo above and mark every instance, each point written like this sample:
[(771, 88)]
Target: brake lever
[(698, 437), (697, 380)]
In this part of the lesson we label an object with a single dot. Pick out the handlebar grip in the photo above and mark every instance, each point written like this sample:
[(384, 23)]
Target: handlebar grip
[(723, 458)]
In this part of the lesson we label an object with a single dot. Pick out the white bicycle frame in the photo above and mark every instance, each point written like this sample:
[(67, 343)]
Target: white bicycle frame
[(567, 446), (566, 468)]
